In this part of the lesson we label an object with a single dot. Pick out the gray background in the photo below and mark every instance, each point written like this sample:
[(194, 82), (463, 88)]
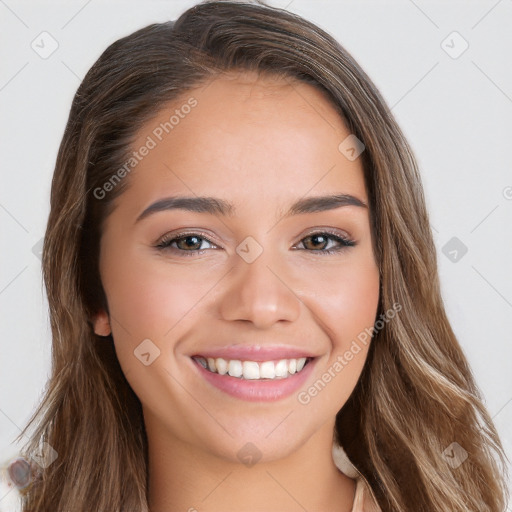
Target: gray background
[(454, 105)]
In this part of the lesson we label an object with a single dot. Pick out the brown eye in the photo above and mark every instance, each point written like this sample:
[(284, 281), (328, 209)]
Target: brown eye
[(316, 241), (188, 243), (319, 242)]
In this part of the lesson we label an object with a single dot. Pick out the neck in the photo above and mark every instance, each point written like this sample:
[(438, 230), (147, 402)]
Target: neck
[(186, 478)]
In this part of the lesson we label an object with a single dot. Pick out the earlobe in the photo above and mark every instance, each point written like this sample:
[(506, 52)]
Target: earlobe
[(101, 324)]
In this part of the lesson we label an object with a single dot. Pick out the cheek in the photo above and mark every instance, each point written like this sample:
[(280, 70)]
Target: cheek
[(345, 299), (344, 303), (356, 303), (150, 299)]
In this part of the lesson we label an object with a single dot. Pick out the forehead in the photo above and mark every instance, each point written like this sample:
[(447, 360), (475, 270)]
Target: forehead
[(256, 137)]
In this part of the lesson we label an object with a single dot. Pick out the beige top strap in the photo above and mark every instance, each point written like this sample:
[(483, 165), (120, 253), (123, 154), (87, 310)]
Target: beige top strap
[(364, 500)]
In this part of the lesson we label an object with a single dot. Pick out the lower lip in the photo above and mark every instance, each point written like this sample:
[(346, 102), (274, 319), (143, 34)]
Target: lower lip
[(257, 390)]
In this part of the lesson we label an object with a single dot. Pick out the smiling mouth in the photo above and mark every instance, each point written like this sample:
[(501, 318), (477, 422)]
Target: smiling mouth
[(253, 370)]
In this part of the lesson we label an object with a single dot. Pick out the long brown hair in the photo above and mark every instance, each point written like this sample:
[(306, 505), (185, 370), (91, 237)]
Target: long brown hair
[(416, 395)]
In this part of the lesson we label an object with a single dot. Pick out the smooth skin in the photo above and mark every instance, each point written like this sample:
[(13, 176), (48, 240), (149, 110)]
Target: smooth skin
[(261, 143)]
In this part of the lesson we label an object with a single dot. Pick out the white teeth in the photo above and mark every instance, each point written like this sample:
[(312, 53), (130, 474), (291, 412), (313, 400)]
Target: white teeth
[(267, 370), (252, 370), (235, 368), (281, 368), (222, 366)]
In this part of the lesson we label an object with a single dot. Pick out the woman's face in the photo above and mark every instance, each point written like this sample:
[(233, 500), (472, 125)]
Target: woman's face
[(242, 280)]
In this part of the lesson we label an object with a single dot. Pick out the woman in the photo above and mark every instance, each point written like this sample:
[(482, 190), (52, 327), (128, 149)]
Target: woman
[(243, 289)]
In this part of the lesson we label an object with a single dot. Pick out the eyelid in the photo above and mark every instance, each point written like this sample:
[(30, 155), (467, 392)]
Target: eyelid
[(332, 231)]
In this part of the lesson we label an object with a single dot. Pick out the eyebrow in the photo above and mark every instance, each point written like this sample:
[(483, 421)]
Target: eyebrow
[(214, 206)]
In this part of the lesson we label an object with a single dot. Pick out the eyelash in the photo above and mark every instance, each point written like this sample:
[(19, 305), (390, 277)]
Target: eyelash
[(164, 244)]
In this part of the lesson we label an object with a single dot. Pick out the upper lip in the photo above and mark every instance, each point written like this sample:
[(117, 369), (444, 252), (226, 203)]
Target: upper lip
[(256, 353)]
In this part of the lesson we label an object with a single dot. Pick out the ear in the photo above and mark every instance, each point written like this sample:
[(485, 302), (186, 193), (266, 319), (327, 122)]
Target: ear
[(101, 324)]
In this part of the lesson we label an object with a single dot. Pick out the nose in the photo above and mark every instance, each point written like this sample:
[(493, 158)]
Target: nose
[(259, 293)]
